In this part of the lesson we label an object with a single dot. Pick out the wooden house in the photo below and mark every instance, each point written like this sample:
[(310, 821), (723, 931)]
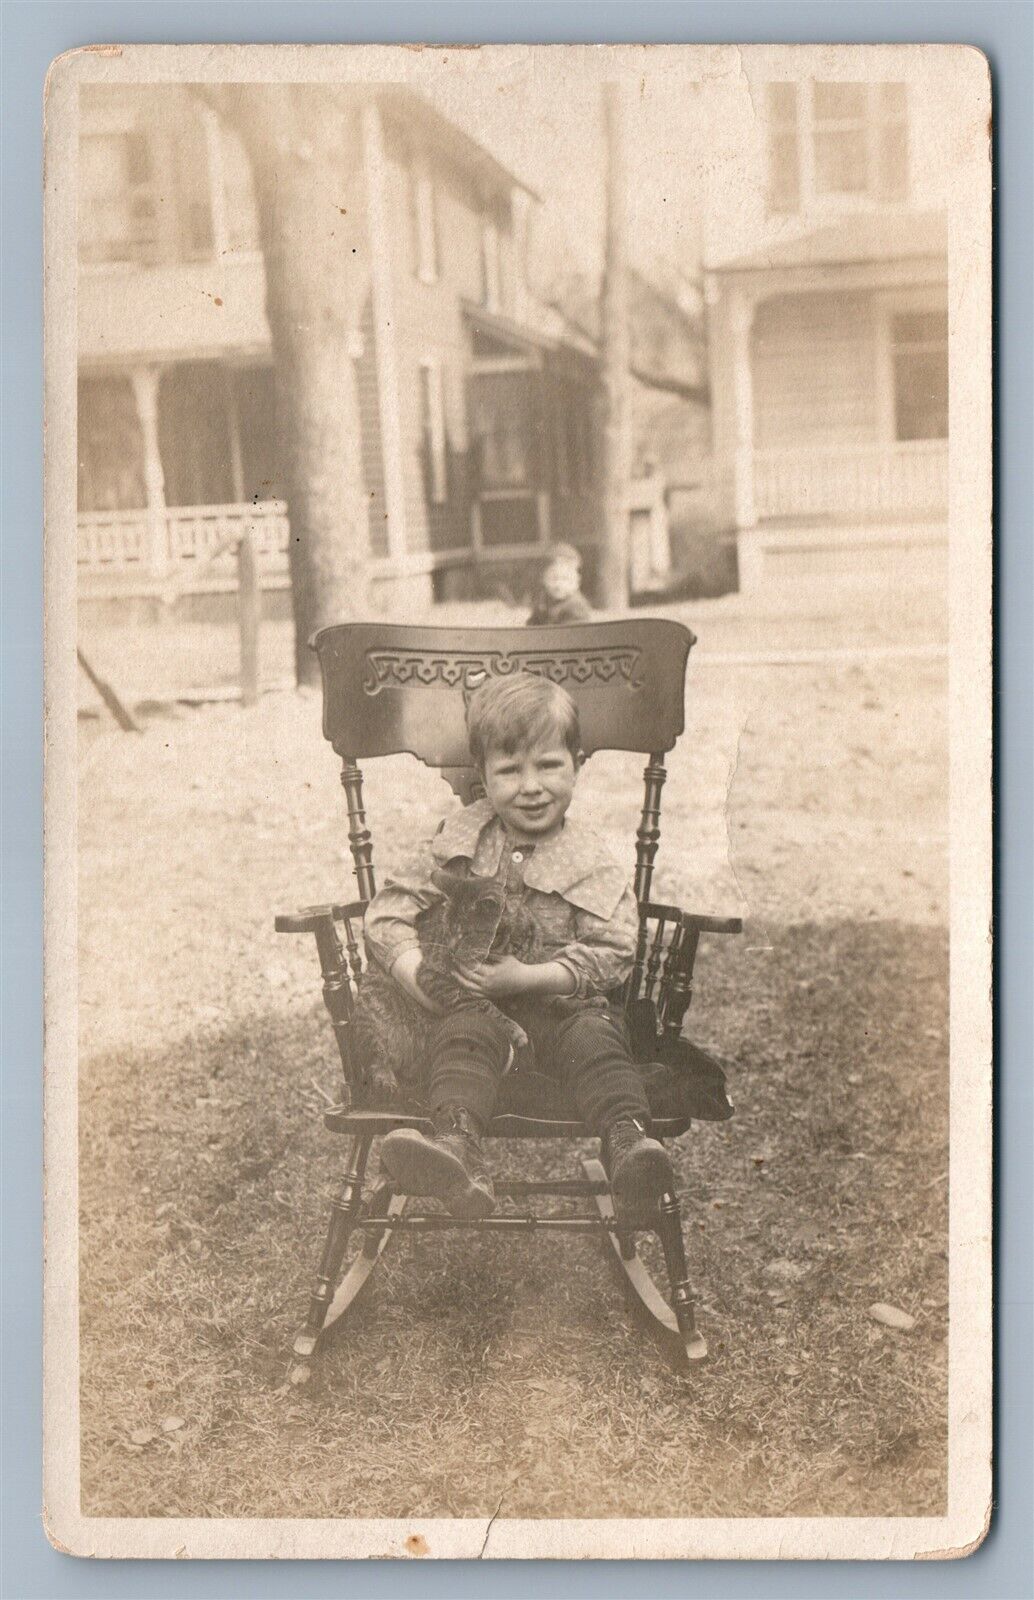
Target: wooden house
[(478, 407), (827, 287)]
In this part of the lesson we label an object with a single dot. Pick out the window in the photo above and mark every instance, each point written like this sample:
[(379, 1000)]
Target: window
[(891, 122), (835, 142), (784, 162), (432, 406), (919, 355), (490, 279), (118, 218), (561, 442), (425, 226), (193, 190), (194, 435), (241, 212), (839, 137), (255, 399), (111, 446), (505, 398)]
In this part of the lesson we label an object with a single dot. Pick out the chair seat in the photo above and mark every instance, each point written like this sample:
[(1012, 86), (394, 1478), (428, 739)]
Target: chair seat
[(686, 1085)]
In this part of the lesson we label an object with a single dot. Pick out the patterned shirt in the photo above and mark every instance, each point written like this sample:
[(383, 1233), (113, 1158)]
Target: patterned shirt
[(578, 896)]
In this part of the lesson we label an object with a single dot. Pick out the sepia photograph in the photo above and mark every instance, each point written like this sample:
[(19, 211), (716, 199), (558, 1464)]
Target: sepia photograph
[(519, 855)]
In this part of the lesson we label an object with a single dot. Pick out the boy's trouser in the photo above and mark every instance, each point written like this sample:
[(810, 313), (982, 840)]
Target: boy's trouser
[(584, 1046)]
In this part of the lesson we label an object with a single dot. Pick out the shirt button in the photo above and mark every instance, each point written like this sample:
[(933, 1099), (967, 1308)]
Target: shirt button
[(517, 856)]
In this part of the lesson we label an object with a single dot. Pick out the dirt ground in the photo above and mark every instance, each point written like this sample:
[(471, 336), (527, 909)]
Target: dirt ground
[(486, 1375)]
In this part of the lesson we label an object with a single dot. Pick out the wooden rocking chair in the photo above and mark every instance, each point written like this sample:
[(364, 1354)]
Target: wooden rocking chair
[(389, 689)]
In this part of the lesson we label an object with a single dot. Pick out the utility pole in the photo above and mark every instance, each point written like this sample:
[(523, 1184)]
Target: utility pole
[(613, 580)]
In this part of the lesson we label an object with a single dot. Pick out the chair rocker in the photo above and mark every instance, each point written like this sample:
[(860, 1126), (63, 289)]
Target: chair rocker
[(391, 689)]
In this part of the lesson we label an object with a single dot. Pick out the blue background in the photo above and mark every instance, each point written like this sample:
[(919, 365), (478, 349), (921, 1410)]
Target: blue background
[(33, 33)]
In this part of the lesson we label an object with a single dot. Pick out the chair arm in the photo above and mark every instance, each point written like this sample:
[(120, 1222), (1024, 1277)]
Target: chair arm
[(309, 918), (699, 924), (653, 910)]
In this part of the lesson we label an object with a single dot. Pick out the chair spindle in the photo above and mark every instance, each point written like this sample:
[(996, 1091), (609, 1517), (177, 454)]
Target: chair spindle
[(653, 965), (360, 838), (639, 961), (681, 992), (669, 972), (648, 834), (355, 958), (337, 990)]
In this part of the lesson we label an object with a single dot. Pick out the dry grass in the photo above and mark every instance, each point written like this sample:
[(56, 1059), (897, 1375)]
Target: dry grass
[(483, 1373)]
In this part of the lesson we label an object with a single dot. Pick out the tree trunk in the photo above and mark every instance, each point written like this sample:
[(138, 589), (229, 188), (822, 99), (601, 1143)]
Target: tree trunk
[(613, 579), (305, 149)]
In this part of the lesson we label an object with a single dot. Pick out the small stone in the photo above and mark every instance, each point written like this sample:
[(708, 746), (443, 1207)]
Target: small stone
[(172, 1424), (785, 1271), (142, 1436), (892, 1317)]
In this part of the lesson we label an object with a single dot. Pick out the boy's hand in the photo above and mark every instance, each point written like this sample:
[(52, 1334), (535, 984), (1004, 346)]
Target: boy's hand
[(510, 976)]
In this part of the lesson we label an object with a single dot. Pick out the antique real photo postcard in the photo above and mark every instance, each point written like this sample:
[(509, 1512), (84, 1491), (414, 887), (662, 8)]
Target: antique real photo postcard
[(518, 809)]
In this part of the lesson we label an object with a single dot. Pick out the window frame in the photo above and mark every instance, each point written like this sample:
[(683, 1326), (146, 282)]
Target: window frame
[(491, 266), (434, 432), (424, 214), (140, 250), (904, 303), (875, 119)]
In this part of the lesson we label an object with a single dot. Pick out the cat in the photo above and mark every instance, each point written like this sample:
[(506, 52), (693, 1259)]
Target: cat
[(469, 925)]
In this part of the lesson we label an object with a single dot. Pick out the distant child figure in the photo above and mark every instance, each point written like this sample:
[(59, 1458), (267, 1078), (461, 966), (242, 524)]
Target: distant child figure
[(551, 872), (560, 597)]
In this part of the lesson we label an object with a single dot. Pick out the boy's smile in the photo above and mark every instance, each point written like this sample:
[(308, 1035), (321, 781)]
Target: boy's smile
[(530, 789)]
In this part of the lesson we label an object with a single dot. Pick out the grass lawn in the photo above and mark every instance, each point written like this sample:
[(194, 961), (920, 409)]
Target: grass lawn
[(486, 1375)]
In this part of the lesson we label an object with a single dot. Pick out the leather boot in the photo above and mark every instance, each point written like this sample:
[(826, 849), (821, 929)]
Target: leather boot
[(637, 1165), (448, 1165)]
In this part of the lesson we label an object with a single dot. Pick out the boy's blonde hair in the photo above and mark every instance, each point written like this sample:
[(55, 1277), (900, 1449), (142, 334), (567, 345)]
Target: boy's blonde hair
[(509, 713)]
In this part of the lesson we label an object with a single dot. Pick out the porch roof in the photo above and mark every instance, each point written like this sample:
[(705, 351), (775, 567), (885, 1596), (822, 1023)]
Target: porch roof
[(853, 241), (545, 329)]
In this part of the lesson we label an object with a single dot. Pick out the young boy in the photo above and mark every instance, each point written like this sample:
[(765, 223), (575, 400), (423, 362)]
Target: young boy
[(560, 597), (525, 742)]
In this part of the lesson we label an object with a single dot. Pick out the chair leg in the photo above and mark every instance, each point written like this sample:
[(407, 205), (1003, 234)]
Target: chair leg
[(343, 1212), (669, 1231)]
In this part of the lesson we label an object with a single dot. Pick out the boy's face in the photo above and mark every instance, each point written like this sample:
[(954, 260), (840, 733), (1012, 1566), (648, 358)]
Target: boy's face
[(561, 579), (530, 789)]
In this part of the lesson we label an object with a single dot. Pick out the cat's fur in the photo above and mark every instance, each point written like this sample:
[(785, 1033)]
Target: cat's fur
[(470, 925)]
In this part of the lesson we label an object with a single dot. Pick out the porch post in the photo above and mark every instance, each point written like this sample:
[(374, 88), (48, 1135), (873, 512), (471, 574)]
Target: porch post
[(382, 265), (233, 418), (741, 319), (145, 392)]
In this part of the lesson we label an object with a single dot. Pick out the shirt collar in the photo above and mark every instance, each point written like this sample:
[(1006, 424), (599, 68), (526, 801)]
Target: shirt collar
[(572, 863)]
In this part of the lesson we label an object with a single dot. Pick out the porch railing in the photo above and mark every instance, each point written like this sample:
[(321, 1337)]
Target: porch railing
[(121, 541), (853, 480)]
